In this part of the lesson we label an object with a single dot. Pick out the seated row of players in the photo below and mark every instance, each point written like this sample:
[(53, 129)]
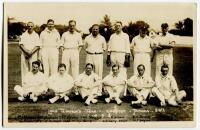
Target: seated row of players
[(114, 84)]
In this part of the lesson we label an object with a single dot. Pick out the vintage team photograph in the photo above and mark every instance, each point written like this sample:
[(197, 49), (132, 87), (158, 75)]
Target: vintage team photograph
[(99, 64)]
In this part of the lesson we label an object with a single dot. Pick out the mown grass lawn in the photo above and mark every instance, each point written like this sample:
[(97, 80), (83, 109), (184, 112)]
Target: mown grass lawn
[(76, 111)]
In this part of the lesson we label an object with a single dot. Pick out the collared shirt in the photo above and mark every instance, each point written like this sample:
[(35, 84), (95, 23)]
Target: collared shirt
[(33, 80), (166, 83), (30, 40), (71, 40), (60, 83), (119, 43), (166, 40), (141, 45), (115, 80), (95, 44), (88, 81), (141, 81), (50, 38)]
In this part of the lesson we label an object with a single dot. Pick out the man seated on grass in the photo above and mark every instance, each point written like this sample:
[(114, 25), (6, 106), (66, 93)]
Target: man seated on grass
[(140, 85), (88, 83), (61, 84), (33, 84), (166, 88), (114, 84)]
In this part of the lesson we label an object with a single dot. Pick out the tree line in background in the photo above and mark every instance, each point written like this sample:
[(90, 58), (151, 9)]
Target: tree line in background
[(182, 28)]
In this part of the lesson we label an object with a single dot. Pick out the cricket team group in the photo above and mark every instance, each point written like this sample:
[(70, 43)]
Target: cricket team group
[(55, 77)]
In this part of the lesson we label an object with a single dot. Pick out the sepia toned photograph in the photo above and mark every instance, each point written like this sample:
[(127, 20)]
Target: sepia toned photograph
[(99, 64)]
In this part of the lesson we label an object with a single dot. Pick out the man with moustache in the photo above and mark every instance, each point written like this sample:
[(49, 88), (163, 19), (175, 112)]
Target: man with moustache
[(95, 45), (29, 45), (50, 41)]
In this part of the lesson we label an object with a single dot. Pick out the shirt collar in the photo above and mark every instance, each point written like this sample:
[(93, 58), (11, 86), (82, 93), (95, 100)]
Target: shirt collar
[(88, 75), (142, 77), (143, 37), (164, 35), (29, 33), (164, 77), (72, 33), (115, 75), (119, 34), (47, 30), (94, 37)]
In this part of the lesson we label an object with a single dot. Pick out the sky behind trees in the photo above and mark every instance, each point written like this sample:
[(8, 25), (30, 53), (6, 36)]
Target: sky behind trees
[(87, 14)]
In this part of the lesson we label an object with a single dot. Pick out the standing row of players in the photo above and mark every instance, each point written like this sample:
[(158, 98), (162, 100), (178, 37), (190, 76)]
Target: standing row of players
[(118, 50)]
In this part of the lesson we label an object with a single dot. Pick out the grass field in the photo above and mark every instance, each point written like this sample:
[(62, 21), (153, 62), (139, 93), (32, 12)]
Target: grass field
[(76, 111)]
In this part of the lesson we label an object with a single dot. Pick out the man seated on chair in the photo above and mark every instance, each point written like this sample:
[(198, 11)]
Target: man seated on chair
[(140, 85), (114, 83), (33, 84), (88, 83), (166, 88), (61, 84)]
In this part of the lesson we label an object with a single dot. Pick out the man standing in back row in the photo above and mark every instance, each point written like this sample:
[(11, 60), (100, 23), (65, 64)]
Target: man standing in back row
[(119, 48), (50, 39), (164, 51), (29, 45), (71, 46), (141, 49), (95, 45)]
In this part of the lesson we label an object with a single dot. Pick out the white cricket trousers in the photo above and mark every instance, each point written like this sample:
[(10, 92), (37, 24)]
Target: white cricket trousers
[(164, 58), (97, 61), (138, 93), (115, 92), (142, 58), (23, 91), (119, 58), (92, 92), (50, 60), (168, 96), (70, 58)]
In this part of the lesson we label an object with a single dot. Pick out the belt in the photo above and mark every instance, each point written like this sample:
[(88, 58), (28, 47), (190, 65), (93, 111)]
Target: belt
[(95, 53), (118, 51), (142, 52), (71, 48), (49, 46)]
